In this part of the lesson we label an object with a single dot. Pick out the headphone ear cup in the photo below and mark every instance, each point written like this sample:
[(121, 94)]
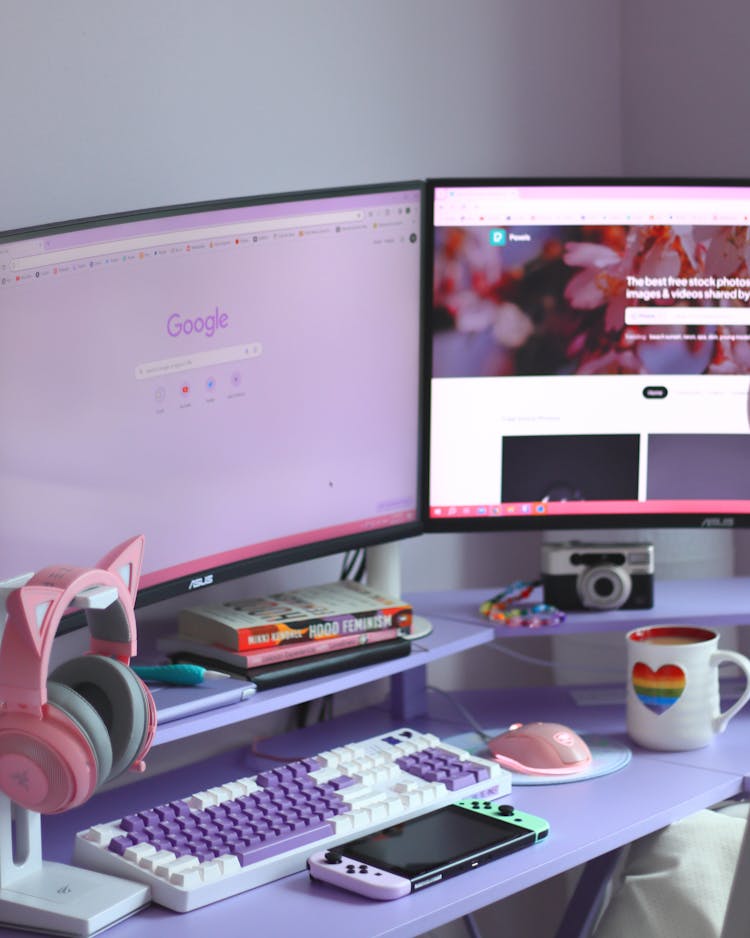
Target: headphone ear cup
[(118, 697), (54, 763), (85, 717)]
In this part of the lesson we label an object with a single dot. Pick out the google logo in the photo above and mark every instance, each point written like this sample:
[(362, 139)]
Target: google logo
[(207, 325)]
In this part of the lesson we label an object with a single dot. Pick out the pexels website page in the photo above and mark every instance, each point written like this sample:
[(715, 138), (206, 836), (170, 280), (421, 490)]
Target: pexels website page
[(213, 380), (591, 350)]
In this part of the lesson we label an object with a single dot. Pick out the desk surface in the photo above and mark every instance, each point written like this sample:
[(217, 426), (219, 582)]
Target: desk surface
[(587, 819)]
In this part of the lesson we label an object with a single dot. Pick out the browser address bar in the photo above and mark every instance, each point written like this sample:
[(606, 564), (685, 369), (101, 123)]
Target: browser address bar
[(188, 234)]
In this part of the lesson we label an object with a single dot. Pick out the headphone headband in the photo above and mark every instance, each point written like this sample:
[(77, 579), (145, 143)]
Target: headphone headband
[(36, 608)]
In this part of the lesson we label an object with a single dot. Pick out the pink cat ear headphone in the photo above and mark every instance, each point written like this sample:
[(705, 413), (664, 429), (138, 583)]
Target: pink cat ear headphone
[(63, 736)]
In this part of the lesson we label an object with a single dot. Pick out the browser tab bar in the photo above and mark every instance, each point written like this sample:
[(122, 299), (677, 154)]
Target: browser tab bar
[(190, 235)]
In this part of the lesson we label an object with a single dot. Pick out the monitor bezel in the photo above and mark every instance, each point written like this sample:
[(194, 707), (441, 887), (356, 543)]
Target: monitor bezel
[(212, 575), (721, 521)]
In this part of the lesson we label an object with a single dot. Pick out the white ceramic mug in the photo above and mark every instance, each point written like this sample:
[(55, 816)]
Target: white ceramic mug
[(673, 686)]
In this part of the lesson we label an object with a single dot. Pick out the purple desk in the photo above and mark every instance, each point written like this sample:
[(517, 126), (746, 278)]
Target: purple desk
[(652, 791)]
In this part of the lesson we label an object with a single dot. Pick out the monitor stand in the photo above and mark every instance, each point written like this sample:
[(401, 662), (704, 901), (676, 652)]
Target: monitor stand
[(384, 568), (39, 895)]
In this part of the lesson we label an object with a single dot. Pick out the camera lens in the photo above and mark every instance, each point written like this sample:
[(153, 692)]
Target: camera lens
[(603, 587)]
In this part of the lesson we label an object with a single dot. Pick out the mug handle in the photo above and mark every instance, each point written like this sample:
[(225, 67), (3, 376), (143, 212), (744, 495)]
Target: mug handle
[(743, 663)]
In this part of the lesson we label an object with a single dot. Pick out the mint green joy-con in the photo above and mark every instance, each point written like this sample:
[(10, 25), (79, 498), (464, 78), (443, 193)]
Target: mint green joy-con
[(505, 812)]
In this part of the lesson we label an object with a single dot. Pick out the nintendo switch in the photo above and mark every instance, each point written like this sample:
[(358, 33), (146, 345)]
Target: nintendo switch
[(406, 857)]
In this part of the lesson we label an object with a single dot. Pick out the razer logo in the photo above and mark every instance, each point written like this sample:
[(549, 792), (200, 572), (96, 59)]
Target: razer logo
[(22, 779)]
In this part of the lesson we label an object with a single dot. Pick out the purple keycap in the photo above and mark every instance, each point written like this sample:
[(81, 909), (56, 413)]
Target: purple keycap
[(247, 855), (313, 763), (342, 781), (132, 823), (258, 797), (164, 812), (480, 772), (216, 811), (459, 781), (181, 808), (161, 843), (119, 845), (149, 817)]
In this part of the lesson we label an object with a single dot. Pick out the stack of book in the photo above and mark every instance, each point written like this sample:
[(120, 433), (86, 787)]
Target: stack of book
[(293, 635)]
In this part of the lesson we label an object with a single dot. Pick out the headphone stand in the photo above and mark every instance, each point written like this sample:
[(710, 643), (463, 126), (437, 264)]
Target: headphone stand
[(40, 895)]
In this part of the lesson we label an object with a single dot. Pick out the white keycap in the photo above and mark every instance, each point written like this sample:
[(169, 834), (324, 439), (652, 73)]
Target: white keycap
[(138, 851), (210, 871), (153, 860), (187, 879), (102, 833), (181, 865), (343, 824), (201, 800)]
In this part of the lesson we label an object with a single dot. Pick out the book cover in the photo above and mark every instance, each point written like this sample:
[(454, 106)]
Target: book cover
[(173, 645), (310, 614)]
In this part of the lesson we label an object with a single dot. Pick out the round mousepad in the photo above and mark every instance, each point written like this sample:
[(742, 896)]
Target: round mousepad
[(607, 755)]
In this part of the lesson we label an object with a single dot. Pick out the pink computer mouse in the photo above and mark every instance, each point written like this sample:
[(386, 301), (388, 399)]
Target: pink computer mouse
[(541, 749)]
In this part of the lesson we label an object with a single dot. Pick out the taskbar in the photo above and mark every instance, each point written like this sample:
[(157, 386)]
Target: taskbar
[(531, 509)]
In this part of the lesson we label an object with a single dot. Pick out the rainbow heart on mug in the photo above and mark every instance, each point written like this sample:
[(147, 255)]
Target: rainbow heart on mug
[(658, 690)]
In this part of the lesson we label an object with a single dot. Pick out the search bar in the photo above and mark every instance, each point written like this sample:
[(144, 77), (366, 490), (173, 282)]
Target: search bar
[(187, 234), (219, 356), (686, 316)]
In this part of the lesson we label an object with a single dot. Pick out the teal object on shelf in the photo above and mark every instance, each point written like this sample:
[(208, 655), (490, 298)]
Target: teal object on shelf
[(182, 674)]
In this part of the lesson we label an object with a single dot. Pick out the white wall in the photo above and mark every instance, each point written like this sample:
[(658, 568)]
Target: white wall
[(111, 106), (685, 88)]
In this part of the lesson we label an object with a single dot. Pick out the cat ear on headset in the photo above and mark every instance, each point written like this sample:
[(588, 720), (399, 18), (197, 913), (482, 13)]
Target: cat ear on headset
[(31, 605), (126, 561)]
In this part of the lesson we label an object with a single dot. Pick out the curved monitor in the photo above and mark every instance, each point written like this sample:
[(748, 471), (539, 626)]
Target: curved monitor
[(589, 354), (238, 381)]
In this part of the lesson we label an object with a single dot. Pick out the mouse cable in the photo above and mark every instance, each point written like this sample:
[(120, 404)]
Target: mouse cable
[(465, 713), (549, 663)]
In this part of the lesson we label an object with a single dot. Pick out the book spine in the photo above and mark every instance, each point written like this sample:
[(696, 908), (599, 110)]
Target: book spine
[(287, 652), (248, 638)]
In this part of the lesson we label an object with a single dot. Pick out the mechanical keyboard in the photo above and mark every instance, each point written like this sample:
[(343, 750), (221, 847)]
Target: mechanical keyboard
[(250, 831)]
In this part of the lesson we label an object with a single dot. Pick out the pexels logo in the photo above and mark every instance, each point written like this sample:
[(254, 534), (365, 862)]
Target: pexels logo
[(205, 325)]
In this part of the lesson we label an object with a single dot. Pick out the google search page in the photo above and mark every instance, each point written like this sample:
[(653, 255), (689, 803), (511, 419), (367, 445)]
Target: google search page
[(224, 381)]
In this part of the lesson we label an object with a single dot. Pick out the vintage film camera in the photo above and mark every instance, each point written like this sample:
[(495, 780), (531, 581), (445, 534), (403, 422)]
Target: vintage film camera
[(578, 575)]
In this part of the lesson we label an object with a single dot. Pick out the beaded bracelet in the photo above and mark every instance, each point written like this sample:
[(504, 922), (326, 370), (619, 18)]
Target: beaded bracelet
[(507, 607), (528, 615)]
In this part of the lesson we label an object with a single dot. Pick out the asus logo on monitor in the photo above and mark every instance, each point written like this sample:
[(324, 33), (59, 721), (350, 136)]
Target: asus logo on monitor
[(717, 523), (197, 582)]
